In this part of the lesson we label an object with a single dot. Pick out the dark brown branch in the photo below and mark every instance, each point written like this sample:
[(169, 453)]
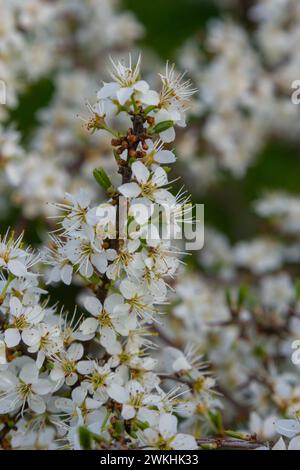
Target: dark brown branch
[(223, 443)]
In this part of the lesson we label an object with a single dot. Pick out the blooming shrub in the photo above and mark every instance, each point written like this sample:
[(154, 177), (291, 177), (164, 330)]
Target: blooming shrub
[(162, 350)]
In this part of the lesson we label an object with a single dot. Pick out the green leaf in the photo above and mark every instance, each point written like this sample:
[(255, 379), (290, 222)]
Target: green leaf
[(142, 424), (238, 435), (102, 179), (119, 427), (209, 446), (228, 297), (216, 420), (162, 126), (242, 295), (149, 108), (85, 438)]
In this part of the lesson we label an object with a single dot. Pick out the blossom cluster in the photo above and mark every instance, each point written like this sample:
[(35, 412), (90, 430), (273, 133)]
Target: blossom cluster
[(163, 350), (93, 372)]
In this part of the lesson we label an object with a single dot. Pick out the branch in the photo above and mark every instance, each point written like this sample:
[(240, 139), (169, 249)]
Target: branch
[(223, 443)]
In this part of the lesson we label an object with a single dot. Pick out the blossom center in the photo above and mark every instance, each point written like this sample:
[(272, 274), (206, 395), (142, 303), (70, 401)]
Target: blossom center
[(21, 322)]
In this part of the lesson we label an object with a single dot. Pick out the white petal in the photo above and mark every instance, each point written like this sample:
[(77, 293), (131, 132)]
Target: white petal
[(83, 198), (160, 177), (108, 338), (123, 94), (128, 289), (165, 156), (66, 274), (132, 245), (71, 379), (86, 269), (40, 359), (167, 425), (184, 442), (130, 189), (141, 211), (8, 381), (37, 404), (118, 393), (269, 427), (85, 367), (140, 171), (17, 268), (287, 427), (112, 301), (124, 155), (12, 337), (108, 90), (141, 86), (128, 412), (75, 351), (93, 305), (89, 325), (124, 323), (100, 262), (15, 306), (64, 404), (78, 395), (280, 445), (168, 135), (181, 364), (150, 97), (111, 254), (35, 315), (57, 374), (134, 387), (92, 404), (29, 373), (30, 336), (42, 386), (8, 405), (151, 416), (294, 444), (165, 198)]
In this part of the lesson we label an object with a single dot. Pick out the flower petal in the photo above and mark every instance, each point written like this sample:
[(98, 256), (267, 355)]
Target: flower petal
[(66, 274), (75, 351), (89, 325), (140, 171), (42, 387), (92, 305), (29, 373), (167, 425), (128, 412), (30, 336), (168, 135), (130, 189), (123, 94), (165, 156), (118, 393), (17, 268), (184, 442), (37, 404), (108, 90), (12, 337)]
